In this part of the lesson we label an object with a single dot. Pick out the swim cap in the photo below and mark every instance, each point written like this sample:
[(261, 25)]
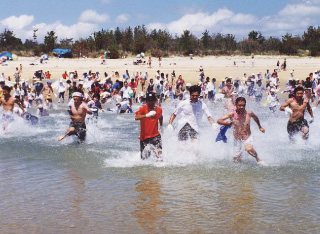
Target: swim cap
[(188, 85), (77, 94), (40, 106), (49, 81), (272, 90)]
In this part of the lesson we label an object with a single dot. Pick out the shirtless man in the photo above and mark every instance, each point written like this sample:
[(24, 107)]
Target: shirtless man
[(231, 105), (296, 106), (78, 112), (228, 89), (8, 103), (46, 92), (240, 118)]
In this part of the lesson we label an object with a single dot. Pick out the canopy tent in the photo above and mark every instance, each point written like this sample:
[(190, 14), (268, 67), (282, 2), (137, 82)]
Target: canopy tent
[(141, 55), (62, 53), (45, 57), (6, 55)]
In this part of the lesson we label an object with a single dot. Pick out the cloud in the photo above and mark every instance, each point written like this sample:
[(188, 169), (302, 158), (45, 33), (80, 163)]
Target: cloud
[(293, 18), (299, 10), (75, 31), (91, 16), (19, 22), (198, 22), (123, 18)]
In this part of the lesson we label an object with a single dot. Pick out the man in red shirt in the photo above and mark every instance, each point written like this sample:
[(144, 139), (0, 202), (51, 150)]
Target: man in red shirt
[(149, 115)]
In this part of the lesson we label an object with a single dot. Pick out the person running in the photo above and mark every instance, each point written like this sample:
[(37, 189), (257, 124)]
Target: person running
[(8, 104), (228, 89), (78, 111), (46, 92), (296, 107), (95, 106), (150, 117), (191, 115), (243, 140)]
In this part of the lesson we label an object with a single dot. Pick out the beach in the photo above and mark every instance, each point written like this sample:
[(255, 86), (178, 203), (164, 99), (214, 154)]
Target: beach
[(214, 67)]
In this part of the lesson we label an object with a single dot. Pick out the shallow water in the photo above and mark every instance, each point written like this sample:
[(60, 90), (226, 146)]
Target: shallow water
[(102, 186)]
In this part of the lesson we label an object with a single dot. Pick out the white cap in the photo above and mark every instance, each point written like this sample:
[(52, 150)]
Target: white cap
[(81, 82), (272, 90), (188, 85), (40, 106)]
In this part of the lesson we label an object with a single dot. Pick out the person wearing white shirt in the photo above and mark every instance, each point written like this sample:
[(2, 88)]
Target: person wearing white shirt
[(191, 112), (126, 91), (211, 87), (170, 93)]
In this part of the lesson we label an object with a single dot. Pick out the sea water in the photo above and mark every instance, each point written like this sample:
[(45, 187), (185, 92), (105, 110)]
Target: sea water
[(102, 185)]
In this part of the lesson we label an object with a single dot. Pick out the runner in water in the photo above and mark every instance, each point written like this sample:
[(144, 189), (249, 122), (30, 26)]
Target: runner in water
[(243, 140), (191, 115), (8, 104), (78, 112), (296, 107), (150, 115)]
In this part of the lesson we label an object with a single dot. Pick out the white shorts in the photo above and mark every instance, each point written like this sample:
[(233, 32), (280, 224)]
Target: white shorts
[(240, 145)]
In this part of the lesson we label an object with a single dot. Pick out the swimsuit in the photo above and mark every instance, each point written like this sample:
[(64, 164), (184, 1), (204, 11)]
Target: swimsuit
[(80, 129), (154, 142), (295, 127)]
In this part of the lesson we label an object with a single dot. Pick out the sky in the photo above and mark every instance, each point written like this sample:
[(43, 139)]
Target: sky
[(80, 18)]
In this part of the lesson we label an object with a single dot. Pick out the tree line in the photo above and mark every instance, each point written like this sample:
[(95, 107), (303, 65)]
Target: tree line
[(132, 41)]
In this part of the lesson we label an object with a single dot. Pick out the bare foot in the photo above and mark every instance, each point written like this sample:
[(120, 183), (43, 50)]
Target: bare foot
[(60, 138), (237, 159)]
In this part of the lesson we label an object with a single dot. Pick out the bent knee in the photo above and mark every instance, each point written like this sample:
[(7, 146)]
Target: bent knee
[(248, 147)]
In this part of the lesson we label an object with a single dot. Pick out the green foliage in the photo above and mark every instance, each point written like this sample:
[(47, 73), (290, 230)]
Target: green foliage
[(159, 42), (8, 41), (114, 51), (50, 41), (290, 44), (311, 40)]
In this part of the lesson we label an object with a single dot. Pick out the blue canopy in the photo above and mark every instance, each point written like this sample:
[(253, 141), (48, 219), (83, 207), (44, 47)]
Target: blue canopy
[(6, 54), (61, 52)]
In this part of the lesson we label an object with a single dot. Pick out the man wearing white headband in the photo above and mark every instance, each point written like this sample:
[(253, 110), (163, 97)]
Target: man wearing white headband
[(78, 111)]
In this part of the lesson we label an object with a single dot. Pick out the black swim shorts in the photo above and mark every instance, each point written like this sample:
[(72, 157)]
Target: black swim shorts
[(80, 129), (295, 127), (153, 142), (187, 132)]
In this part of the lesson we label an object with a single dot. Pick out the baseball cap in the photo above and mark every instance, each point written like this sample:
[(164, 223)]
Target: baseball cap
[(151, 97)]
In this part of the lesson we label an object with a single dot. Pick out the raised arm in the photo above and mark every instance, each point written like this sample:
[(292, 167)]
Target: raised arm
[(222, 120)]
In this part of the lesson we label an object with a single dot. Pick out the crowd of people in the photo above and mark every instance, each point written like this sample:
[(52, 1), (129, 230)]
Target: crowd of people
[(88, 94)]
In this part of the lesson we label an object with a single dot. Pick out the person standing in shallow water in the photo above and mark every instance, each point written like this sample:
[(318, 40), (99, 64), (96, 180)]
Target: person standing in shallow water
[(243, 140), (296, 107)]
